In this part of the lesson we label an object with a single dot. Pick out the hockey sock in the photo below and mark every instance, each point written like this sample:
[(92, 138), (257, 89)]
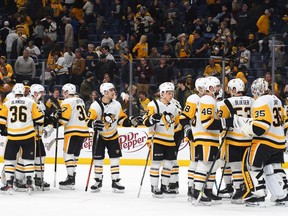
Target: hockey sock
[(114, 163), (98, 168)]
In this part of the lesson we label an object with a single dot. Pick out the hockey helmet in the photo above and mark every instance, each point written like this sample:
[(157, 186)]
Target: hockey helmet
[(200, 84), (212, 82), (36, 88), (164, 87), (238, 84), (69, 89), (106, 87), (259, 87), (18, 88)]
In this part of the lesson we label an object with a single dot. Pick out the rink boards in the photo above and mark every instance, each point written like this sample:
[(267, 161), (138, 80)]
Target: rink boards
[(132, 142)]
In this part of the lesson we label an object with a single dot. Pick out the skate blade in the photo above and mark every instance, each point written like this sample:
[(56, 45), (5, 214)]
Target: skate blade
[(190, 199), (20, 189), (8, 192), (115, 190), (237, 201), (285, 204), (29, 190), (39, 188), (67, 187), (225, 196), (255, 205), (157, 196), (95, 190), (216, 202), (169, 195), (201, 203)]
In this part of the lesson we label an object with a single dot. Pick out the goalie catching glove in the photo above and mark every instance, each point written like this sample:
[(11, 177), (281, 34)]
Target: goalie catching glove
[(136, 120), (98, 125)]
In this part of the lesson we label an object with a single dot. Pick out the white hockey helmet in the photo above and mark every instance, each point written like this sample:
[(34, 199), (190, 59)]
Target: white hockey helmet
[(18, 88), (238, 84), (36, 88), (69, 89), (106, 87), (259, 87), (211, 81), (200, 84), (166, 86)]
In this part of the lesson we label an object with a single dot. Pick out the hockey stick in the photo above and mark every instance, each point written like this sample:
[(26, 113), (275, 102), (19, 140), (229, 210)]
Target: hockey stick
[(56, 152), (147, 158), (201, 193), (92, 160), (222, 176), (40, 157)]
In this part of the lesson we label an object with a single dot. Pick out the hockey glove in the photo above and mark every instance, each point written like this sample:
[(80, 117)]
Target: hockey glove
[(135, 121), (3, 131), (48, 130), (98, 125), (57, 114), (156, 118), (188, 132)]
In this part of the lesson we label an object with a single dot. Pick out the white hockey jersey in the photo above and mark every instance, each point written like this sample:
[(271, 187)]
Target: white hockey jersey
[(112, 116), (206, 113), (242, 107), (19, 115), (165, 129), (267, 114), (74, 117)]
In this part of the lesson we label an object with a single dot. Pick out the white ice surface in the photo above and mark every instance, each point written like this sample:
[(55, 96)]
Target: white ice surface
[(57, 202)]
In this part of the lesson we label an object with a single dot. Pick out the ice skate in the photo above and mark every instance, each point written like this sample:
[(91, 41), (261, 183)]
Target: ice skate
[(167, 192), (39, 184), (255, 202), (97, 186), (237, 197), (29, 185), (190, 194), (68, 184), (226, 192), (117, 187), (174, 187), (204, 201), (8, 188), (19, 186), (282, 202), (156, 193), (215, 199)]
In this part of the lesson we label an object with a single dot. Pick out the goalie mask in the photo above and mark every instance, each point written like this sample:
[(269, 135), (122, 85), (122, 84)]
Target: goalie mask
[(259, 87), (236, 84)]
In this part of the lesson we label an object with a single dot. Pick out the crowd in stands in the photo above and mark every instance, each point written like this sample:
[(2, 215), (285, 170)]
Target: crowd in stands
[(87, 42)]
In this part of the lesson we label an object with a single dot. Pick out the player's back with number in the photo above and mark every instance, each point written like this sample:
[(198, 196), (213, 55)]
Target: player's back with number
[(267, 110), (74, 117), (19, 114)]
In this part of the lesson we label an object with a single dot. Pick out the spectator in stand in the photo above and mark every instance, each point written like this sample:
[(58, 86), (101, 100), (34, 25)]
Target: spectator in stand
[(107, 40), (268, 78), (144, 100), (253, 44), (144, 72), (53, 102), (12, 36), (124, 73), (60, 69), (92, 98), (125, 99), (163, 72), (83, 33), (189, 82), (141, 48), (117, 13), (34, 51), (105, 66), (263, 24), (212, 69), (25, 68), (139, 28), (245, 56), (78, 69), (47, 46), (38, 33), (182, 50), (145, 18), (210, 28), (154, 57), (169, 54), (87, 86), (69, 58), (243, 24), (182, 92), (128, 21), (50, 27), (88, 9), (121, 44), (6, 70), (18, 46), (69, 36), (91, 59), (106, 51), (3, 35)]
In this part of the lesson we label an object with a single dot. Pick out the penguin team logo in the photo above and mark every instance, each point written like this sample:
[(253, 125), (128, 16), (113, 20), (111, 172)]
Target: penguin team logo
[(108, 119), (168, 119)]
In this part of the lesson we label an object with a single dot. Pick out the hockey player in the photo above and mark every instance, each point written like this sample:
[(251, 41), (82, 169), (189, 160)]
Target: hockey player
[(104, 116), (19, 115), (161, 118), (266, 151), (73, 117), (235, 142), (36, 93), (186, 119), (206, 128)]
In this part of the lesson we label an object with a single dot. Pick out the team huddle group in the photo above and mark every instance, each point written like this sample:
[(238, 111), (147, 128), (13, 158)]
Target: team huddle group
[(242, 135)]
